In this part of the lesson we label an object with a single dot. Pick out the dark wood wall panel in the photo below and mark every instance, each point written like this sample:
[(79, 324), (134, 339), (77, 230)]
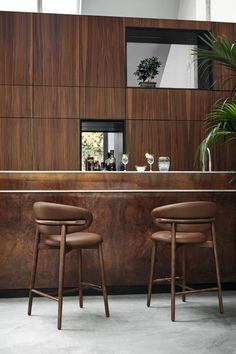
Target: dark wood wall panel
[(64, 67), (220, 73), (167, 104), (15, 101), (102, 103), (178, 24), (177, 139), (102, 52), (56, 102), (56, 50), (56, 144), (16, 144), (16, 48), (39, 144)]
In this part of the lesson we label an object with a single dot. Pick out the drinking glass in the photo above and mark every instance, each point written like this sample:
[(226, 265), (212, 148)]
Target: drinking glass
[(150, 161), (164, 163), (125, 160)]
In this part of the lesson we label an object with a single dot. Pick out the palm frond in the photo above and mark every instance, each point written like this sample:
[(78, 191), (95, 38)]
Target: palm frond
[(221, 126), (220, 50)]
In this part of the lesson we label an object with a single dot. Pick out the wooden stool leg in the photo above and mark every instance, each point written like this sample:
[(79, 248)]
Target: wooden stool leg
[(173, 250), (104, 290), (34, 269), (80, 278), (153, 258), (221, 307), (183, 272), (61, 275)]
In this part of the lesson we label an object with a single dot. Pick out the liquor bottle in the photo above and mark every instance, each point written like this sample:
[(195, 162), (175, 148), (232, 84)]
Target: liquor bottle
[(112, 161), (90, 163)]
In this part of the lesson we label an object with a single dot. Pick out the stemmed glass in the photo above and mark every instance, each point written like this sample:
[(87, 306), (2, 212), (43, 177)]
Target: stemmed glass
[(150, 160), (125, 160)]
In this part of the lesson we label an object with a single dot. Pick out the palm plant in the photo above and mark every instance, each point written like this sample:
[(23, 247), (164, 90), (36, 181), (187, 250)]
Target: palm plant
[(221, 125), (221, 121)]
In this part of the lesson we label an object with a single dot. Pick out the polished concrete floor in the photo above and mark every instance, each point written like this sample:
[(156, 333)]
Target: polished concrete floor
[(132, 328)]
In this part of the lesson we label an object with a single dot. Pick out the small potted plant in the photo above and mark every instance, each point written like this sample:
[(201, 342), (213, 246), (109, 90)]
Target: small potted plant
[(147, 70)]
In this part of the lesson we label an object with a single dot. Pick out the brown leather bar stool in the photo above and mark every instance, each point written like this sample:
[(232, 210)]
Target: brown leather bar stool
[(61, 227), (184, 225)]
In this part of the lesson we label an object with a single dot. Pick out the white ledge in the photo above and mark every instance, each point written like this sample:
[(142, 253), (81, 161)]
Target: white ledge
[(119, 191), (114, 172)]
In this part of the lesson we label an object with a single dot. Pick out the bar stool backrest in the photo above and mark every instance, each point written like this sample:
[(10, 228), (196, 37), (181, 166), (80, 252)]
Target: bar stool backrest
[(52, 212), (195, 211)]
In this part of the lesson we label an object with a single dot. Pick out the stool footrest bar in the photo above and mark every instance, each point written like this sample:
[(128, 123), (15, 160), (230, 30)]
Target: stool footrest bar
[(165, 279), (91, 285), (196, 291), (44, 294)]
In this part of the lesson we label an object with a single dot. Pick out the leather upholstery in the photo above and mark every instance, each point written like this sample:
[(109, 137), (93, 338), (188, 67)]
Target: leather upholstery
[(181, 237), (185, 233), (60, 212), (76, 239), (187, 210)]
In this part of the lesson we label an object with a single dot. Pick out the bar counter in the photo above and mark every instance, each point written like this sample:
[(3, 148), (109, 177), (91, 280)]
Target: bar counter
[(121, 203)]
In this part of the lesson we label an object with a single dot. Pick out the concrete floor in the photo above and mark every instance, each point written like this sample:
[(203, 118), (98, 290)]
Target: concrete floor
[(132, 328)]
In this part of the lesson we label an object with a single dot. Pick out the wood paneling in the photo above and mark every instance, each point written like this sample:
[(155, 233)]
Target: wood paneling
[(56, 144), (220, 73), (16, 48), (167, 104), (127, 249), (39, 144), (102, 103), (16, 144), (102, 52), (178, 24), (116, 181), (15, 101), (56, 50), (56, 102), (176, 139)]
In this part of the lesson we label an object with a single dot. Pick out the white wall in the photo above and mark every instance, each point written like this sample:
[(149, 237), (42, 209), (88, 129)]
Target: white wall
[(180, 69), (223, 11), (192, 10), (132, 8)]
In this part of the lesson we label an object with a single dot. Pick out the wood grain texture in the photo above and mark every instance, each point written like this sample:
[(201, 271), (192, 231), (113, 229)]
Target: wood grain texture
[(127, 247), (102, 103), (220, 73), (16, 101), (116, 181), (39, 144), (173, 24), (176, 139), (16, 144), (167, 104), (55, 144), (56, 50), (56, 102), (102, 52), (16, 48)]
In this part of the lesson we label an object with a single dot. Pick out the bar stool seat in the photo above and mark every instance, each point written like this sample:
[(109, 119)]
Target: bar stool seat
[(181, 237), (75, 239)]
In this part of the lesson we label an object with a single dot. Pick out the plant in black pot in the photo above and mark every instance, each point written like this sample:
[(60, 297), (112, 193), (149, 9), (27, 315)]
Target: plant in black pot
[(147, 70)]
